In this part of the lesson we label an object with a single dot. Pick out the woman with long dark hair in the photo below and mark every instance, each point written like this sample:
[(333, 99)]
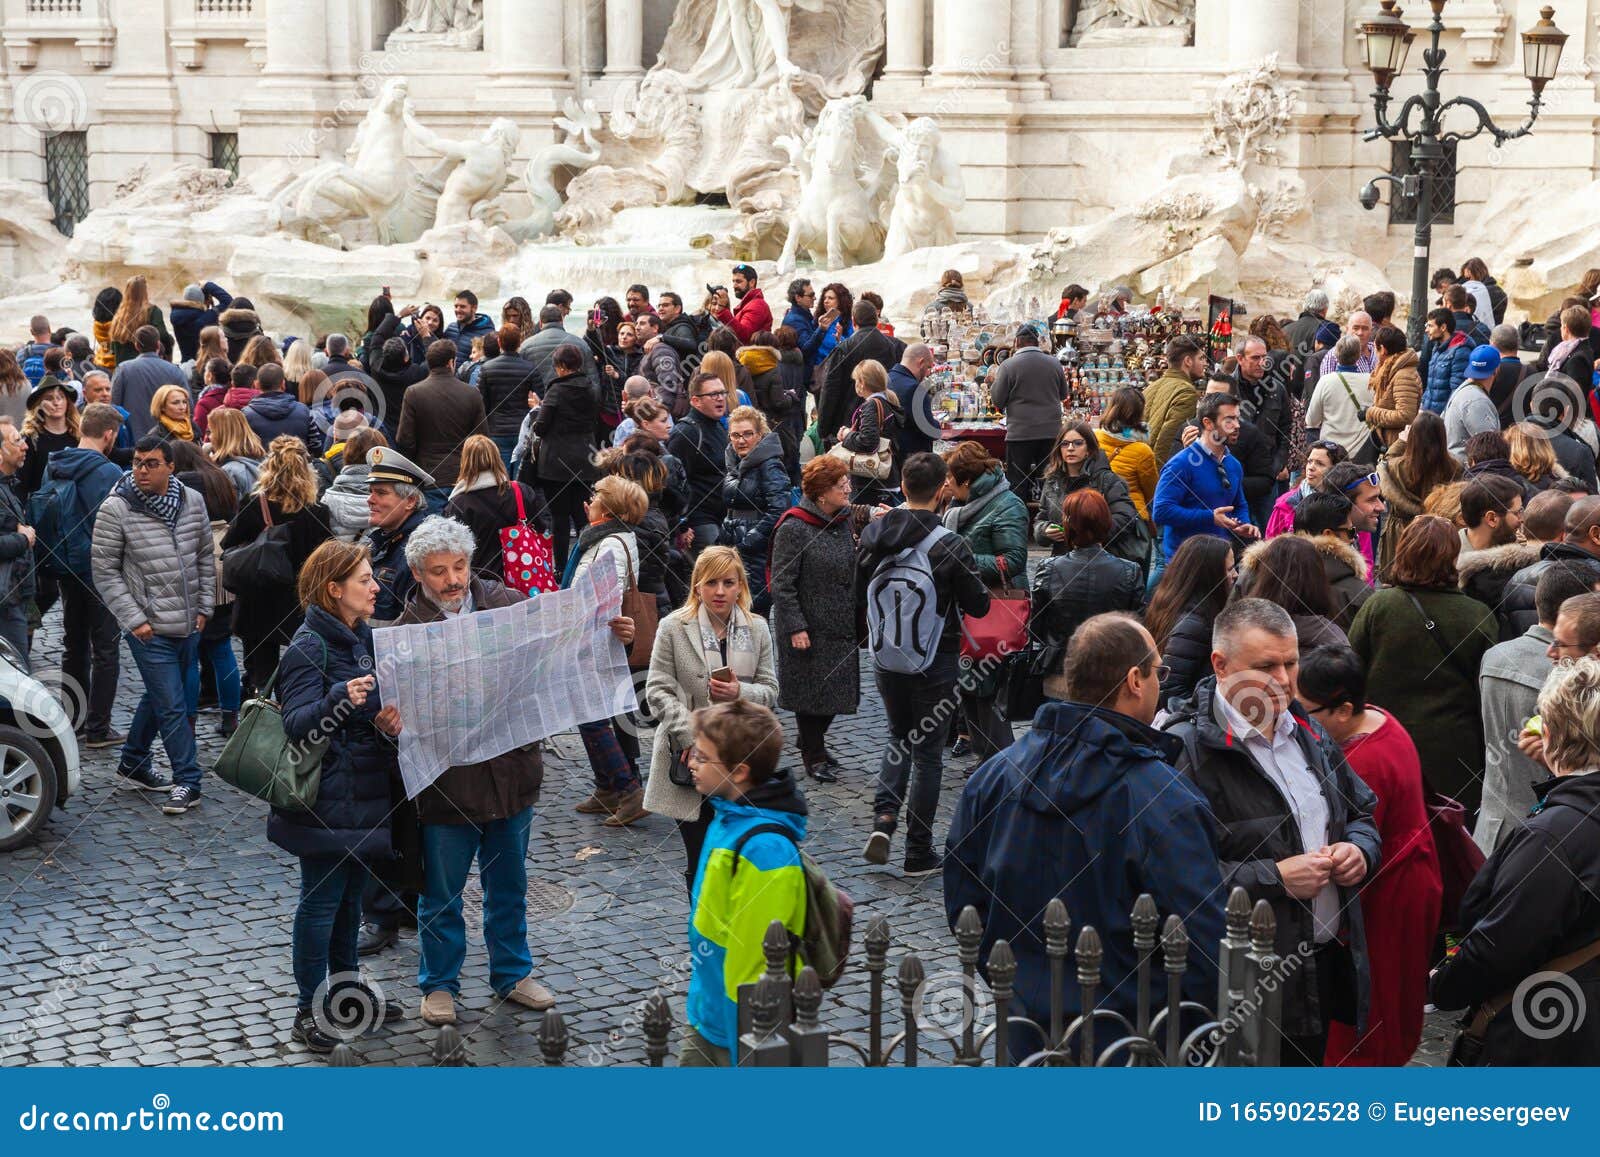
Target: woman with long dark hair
[(1191, 594), (1125, 442), (1287, 570), (1415, 466), (1076, 461)]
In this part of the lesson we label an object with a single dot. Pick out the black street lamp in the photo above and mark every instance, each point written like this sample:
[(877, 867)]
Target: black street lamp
[(1388, 41)]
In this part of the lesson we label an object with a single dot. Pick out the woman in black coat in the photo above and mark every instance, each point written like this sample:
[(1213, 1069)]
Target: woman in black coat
[(1191, 594), (327, 689), (265, 618), (506, 382), (564, 466), (1072, 588), (814, 613), (1537, 900), (641, 461), (756, 492), (485, 501)]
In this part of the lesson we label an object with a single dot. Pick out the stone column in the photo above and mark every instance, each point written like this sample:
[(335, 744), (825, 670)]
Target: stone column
[(624, 39), (1258, 28), (297, 43), (906, 31), (137, 118), (972, 44), (529, 40), (594, 37)]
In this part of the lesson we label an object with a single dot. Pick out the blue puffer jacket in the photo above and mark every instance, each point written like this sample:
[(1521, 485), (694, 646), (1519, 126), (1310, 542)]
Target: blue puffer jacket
[(1446, 368), (1088, 807), (478, 325), (351, 816)]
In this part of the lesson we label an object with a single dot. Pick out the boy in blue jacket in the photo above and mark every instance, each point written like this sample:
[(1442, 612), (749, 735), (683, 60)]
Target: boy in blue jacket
[(744, 881)]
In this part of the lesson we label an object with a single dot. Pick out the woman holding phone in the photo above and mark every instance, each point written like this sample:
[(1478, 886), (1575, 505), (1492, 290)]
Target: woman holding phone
[(710, 650)]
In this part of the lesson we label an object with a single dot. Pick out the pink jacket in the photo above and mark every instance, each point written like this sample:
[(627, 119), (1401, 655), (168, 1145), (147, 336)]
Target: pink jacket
[(1281, 521)]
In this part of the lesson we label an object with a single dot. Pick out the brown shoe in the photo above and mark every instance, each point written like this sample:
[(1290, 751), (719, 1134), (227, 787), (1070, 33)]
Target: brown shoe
[(629, 808), (531, 994), (438, 1007), (601, 803)]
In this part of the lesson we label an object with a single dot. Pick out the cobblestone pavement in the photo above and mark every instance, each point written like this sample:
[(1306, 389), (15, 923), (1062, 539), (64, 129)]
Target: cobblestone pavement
[(132, 938)]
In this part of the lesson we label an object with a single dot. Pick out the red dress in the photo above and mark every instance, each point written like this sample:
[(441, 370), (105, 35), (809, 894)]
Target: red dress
[(1399, 905)]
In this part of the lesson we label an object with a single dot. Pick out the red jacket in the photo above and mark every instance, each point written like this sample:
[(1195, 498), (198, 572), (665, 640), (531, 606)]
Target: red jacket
[(752, 316), (210, 398)]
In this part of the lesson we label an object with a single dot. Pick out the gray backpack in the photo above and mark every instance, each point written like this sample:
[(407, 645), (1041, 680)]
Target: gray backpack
[(904, 624)]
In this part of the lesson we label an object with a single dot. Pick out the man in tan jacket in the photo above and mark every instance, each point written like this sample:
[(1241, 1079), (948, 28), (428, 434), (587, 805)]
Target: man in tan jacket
[(1169, 401)]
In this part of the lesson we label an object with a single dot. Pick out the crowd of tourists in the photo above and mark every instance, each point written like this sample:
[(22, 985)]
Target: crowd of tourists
[(1319, 620)]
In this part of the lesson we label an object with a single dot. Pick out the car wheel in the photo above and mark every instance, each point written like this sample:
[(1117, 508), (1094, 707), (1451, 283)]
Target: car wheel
[(27, 788)]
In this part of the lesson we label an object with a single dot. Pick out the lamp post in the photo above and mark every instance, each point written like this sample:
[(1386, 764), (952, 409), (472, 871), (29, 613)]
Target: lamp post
[(1388, 42)]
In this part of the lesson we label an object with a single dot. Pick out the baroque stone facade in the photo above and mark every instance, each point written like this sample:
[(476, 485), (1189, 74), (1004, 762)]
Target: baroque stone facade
[(1064, 118)]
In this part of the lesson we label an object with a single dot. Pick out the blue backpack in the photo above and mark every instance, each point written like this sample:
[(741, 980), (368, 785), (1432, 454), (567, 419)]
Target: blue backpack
[(31, 356), (62, 529)]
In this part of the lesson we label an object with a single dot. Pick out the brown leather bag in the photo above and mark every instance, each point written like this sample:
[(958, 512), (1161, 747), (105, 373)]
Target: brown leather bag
[(641, 608)]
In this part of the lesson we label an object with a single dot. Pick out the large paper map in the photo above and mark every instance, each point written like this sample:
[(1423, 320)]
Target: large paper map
[(475, 686)]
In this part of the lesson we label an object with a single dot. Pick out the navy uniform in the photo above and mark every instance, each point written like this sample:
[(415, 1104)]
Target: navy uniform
[(390, 897)]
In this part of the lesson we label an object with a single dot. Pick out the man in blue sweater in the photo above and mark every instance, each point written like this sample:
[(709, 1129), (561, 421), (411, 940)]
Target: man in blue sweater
[(1201, 488)]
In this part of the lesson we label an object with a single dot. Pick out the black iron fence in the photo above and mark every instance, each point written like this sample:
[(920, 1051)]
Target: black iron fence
[(781, 1022)]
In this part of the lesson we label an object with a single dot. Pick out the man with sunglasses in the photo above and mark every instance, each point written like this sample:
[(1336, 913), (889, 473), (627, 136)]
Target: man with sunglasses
[(1201, 489), (1360, 485), (1076, 810)]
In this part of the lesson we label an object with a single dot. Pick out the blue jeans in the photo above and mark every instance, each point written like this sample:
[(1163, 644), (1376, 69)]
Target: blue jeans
[(226, 665), (919, 709), (507, 445), (501, 849), (327, 922), (14, 629), (163, 665)]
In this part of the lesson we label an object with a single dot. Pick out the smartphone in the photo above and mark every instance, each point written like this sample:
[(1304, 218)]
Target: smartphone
[(722, 675)]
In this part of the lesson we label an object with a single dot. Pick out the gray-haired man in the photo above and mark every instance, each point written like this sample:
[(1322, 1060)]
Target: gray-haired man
[(1294, 822)]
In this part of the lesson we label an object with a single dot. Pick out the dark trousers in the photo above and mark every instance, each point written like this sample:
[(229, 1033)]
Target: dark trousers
[(986, 727), (705, 534), (14, 629), (693, 833), (1331, 960), (90, 659), (813, 736), (1025, 462), (919, 708), (260, 661), (163, 663), (565, 502), (614, 770), (327, 923)]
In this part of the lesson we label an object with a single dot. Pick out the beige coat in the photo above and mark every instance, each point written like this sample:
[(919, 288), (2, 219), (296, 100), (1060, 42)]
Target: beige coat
[(679, 684)]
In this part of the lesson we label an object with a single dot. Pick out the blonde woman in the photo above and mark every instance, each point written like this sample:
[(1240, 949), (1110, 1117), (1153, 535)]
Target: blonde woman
[(877, 417), (615, 511), (212, 345), (296, 365), (266, 618), (714, 632), (134, 312), (235, 448), (170, 409), (1533, 457)]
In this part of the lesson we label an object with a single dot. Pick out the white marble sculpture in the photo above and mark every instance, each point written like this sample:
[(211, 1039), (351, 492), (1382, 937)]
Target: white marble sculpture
[(575, 150), (828, 45), (842, 165), (1134, 21), (929, 193), (372, 183), (1250, 109), (451, 23), (479, 169)]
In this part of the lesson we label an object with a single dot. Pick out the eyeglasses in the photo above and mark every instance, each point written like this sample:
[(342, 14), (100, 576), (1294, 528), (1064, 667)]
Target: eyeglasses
[(713, 394), (1327, 445), (1163, 673), (149, 463), (1369, 480), (1073, 444), (744, 436)]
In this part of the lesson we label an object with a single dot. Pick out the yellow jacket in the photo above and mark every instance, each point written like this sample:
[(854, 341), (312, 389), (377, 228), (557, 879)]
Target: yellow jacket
[(1134, 462)]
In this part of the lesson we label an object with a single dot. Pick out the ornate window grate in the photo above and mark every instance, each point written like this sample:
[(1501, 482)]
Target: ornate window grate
[(225, 152), (223, 7), (1403, 210), (55, 7), (66, 172)]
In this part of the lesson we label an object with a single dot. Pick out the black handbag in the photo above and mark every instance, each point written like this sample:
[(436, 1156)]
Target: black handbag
[(262, 563), (1021, 690)]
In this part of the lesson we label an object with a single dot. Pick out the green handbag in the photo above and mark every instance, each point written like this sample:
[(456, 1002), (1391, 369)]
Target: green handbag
[(261, 760)]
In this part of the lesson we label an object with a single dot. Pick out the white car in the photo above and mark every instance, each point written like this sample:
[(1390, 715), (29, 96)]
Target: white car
[(38, 753)]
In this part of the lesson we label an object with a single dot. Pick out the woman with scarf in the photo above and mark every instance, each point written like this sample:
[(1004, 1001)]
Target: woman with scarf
[(713, 633), (1320, 458), (755, 493), (615, 510), (170, 409), (487, 501), (994, 521), (769, 393)]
